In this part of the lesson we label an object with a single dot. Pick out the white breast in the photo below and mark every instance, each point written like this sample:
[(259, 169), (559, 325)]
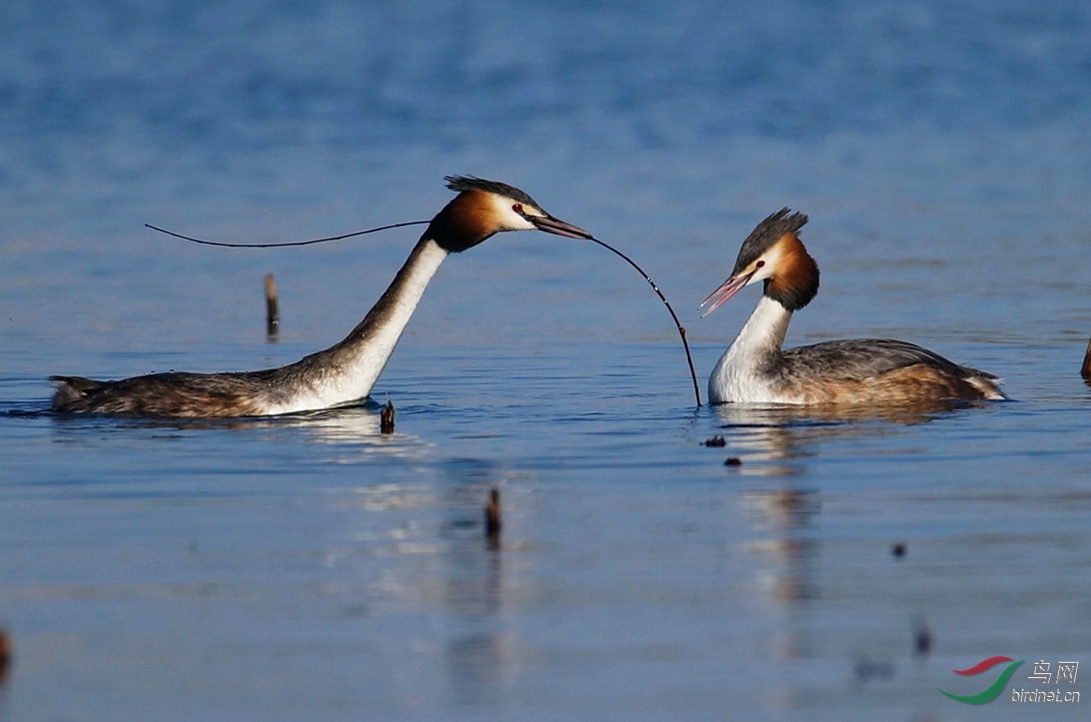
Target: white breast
[(738, 375)]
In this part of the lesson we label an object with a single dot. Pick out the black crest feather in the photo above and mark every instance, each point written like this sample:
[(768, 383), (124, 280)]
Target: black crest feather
[(768, 232), (470, 183)]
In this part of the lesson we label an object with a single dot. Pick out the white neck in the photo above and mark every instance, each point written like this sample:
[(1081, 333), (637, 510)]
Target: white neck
[(347, 372), (738, 375)]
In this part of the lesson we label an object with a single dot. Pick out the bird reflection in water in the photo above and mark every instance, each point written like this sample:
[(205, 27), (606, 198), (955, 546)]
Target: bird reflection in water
[(776, 444), (776, 439), (348, 431)]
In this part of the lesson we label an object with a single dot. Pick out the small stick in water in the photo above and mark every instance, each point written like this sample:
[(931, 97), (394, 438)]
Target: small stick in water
[(272, 312), (5, 655), (922, 637), (386, 418), (1085, 370), (493, 523)]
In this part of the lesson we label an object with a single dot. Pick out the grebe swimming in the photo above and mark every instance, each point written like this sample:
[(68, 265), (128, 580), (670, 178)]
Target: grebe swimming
[(342, 374), (865, 371)]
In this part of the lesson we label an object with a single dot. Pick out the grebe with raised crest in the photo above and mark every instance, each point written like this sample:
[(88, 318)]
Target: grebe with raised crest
[(755, 369), (345, 373)]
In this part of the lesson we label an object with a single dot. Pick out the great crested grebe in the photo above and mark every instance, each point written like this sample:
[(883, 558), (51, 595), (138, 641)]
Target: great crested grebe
[(864, 371), (342, 374)]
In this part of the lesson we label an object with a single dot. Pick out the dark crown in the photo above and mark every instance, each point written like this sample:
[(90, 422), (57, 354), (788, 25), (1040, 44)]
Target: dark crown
[(469, 183), (768, 232)]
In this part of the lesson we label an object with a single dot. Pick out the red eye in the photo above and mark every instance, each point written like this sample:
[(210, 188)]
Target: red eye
[(759, 264), (518, 208)]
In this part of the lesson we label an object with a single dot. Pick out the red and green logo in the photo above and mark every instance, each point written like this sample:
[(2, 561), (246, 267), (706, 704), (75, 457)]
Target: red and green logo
[(995, 689)]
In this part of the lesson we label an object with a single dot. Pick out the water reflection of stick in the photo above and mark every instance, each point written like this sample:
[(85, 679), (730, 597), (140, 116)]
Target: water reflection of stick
[(1085, 370), (272, 301)]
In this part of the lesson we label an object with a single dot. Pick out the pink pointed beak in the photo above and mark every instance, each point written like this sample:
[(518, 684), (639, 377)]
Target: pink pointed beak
[(722, 294), (549, 224)]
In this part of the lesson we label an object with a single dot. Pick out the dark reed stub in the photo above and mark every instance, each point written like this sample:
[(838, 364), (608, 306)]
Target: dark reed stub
[(922, 638), (386, 419), (716, 442), (272, 307), (6, 654), (733, 461), (493, 522)]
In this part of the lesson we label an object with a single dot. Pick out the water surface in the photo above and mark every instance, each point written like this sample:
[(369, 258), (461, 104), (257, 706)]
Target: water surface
[(309, 567)]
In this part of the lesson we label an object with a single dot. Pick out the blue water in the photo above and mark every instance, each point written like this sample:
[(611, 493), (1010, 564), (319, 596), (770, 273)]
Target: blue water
[(311, 568)]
